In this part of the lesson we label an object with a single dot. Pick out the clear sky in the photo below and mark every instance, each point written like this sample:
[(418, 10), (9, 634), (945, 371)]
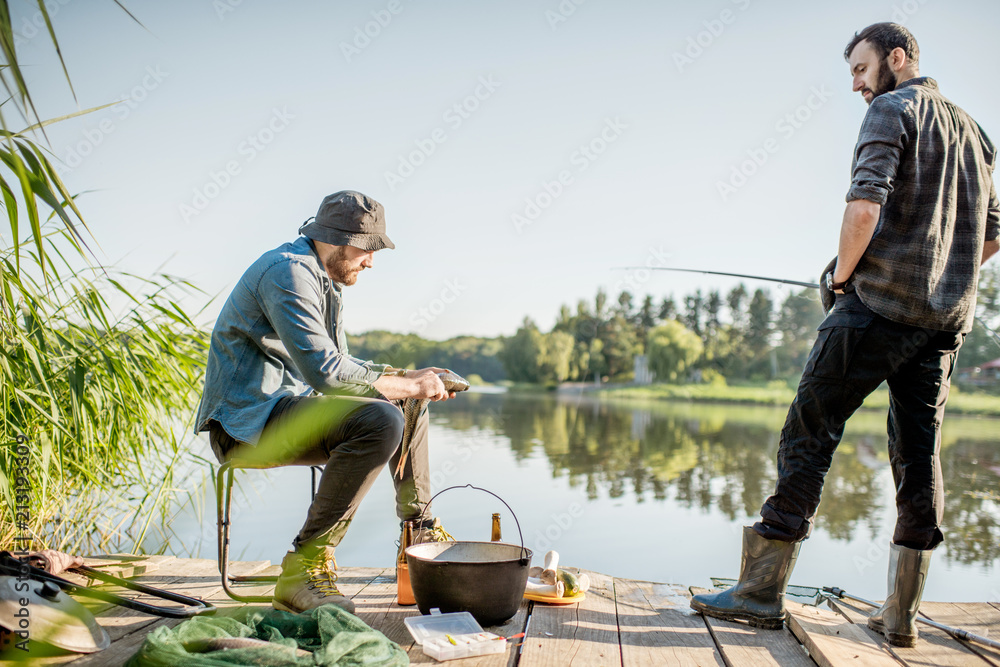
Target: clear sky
[(521, 149)]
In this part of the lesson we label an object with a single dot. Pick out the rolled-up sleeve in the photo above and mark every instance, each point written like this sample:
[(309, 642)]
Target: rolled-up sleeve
[(291, 300), (881, 142)]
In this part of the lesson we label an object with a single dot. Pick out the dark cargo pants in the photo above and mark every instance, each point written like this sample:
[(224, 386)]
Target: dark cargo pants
[(354, 438), (855, 351)]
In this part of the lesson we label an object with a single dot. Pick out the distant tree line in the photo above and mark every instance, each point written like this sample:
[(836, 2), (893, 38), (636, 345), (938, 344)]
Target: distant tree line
[(466, 355), (737, 335), (712, 335)]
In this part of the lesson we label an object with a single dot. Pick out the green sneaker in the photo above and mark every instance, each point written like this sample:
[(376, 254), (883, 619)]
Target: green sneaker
[(308, 580)]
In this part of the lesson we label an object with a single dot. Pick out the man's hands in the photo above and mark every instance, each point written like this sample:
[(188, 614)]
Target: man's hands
[(422, 383)]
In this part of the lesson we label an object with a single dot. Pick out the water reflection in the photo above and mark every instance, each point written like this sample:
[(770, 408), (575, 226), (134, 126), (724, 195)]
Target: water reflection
[(722, 458)]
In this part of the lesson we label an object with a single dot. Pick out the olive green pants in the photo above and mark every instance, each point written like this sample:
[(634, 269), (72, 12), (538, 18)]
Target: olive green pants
[(354, 439)]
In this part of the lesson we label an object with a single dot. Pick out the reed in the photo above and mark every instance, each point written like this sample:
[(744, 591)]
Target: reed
[(98, 368)]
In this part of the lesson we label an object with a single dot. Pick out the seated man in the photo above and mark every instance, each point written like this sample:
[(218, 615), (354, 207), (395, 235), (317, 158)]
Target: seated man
[(281, 387)]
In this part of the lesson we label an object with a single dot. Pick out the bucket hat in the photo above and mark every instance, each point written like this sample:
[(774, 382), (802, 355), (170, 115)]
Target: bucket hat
[(349, 218)]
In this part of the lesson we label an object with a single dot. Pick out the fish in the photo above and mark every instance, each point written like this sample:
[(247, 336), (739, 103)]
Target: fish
[(414, 407)]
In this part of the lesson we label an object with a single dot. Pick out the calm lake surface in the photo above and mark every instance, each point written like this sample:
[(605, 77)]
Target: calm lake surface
[(656, 491)]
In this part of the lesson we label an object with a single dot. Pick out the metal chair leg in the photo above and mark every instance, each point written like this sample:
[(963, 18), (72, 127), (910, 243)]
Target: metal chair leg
[(224, 506), (224, 499)]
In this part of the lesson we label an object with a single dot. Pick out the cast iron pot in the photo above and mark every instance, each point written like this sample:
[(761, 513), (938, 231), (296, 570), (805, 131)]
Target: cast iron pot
[(486, 579)]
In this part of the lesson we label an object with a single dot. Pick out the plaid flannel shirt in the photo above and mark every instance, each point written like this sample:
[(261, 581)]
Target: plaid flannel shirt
[(930, 166)]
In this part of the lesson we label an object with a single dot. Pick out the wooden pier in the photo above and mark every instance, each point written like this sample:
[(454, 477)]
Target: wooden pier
[(621, 622)]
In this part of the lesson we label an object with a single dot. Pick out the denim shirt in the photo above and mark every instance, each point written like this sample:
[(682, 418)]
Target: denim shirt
[(279, 334)]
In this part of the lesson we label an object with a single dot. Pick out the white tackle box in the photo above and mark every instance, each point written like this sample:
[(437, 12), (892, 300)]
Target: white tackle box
[(451, 636)]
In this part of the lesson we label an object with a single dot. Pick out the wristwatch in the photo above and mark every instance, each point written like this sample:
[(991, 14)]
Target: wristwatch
[(832, 286)]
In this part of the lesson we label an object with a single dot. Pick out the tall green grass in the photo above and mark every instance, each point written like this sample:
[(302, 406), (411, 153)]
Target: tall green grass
[(98, 369)]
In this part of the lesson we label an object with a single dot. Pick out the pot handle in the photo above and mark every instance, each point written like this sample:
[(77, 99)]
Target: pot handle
[(524, 557)]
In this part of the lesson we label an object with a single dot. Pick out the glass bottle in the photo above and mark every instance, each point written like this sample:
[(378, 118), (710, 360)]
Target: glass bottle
[(404, 592), (495, 533)]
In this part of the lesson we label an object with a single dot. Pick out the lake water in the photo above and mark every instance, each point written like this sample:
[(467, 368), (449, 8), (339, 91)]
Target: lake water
[(656, 491)]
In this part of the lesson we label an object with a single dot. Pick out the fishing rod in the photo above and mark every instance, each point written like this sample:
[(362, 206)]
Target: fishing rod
[(958, 633), (821, 595), (994, 336)]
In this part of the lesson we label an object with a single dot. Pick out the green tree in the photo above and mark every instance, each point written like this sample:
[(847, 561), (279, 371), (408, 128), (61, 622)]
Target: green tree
[(668, 308), (760, 321), (564, 320), (694, 305), (556, 356), (798, 317), (626, 307), (579, 363), (736, 299), (521, 353), (600, 304), (981, 345), (585, 324), (598, 365), (672, 349), (620, 345), (646, 319)]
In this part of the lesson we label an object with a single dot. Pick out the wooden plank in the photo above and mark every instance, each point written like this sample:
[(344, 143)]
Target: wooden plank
[(377, 607), (981, 618), (377, 601), (198, 578), (585, 633), (657, 626), (935, 648), (119, 621), (834, 641), (512, 627), (127, 565), (741, 644), (195, 578)]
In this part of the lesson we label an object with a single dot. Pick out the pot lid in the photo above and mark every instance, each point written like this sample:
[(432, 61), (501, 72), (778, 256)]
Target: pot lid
[(50, 616)]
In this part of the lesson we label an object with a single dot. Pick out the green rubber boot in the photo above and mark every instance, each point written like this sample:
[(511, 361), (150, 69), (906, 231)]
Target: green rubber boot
[(897, 617), (759, 596)]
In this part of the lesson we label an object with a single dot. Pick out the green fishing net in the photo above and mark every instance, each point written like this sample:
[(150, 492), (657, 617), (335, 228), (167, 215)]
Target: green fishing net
[(327, 635)]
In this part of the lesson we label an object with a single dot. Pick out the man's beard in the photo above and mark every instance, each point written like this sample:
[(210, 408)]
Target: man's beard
[(885, 80), (339, 268)]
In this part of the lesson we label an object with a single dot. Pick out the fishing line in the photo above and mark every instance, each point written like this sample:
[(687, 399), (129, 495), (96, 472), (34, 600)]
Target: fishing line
[(994, 336)]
